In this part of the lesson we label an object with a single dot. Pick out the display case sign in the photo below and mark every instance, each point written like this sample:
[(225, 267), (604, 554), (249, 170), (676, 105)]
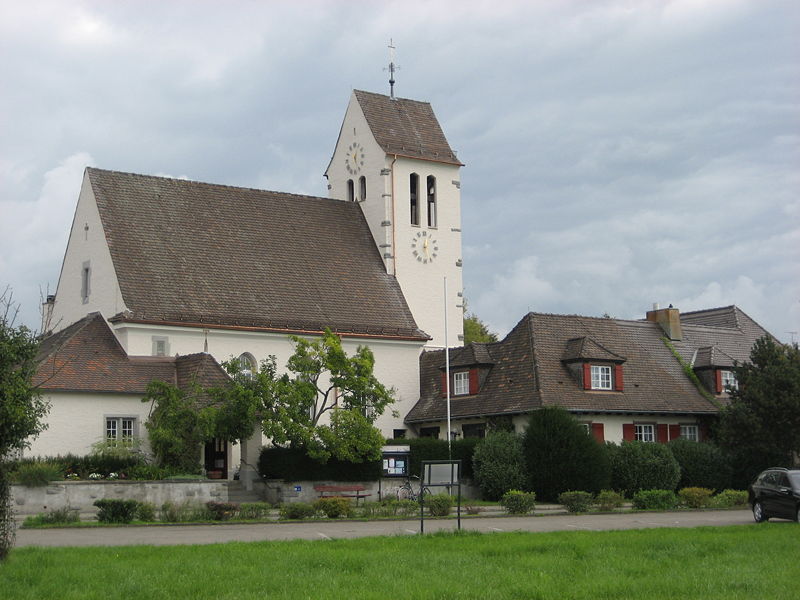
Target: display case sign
[(395, 461)]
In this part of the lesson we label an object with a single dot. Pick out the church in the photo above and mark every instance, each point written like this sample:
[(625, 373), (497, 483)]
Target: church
[(159, 272)]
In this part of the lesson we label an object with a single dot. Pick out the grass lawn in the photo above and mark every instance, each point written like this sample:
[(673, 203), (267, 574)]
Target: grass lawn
[(754, 561)]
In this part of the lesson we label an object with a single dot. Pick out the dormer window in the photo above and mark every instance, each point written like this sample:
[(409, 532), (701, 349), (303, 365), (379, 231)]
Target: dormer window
[(601, 377), (461, 383), (728, 381)]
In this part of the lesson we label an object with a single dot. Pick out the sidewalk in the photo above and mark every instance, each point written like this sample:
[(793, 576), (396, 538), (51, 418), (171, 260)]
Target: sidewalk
[(323, 529)]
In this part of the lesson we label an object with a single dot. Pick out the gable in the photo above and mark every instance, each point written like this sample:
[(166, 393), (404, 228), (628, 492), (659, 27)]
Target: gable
[(192, 253)]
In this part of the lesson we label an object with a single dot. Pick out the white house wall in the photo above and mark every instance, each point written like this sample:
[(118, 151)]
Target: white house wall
[(87, 244), (77, 420), (396, 362)]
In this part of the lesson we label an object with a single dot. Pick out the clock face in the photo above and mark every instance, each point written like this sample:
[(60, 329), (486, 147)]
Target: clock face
[(424, 247), (354, 158)]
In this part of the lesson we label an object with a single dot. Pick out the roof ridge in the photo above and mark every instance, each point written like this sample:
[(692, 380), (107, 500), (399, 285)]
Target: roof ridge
[(395, 99)]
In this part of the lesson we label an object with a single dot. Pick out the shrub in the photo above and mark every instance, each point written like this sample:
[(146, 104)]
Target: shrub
[(222, 511), (145, 511), (730, 498), (701, 464), (55, 516), (114, 510), (498, 464), (576, 502), (254, 510), (654, 500), (297, 510), (184, 512), (695, 497), (38, 474), (390, 507), (642, 466), (518, 502), (439, 504), (561, 456), (608, 500), (333, 508)]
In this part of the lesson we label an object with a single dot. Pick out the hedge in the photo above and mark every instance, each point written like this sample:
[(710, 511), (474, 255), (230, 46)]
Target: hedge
[(702, 465), (293, 464)]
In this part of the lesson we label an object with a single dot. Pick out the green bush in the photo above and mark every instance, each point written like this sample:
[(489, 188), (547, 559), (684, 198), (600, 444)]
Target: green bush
[(37, 474), (518, 502), (297, 510), (184, 512), (293, 464), (608, 500), (702, 464), (498, 464), (390, 507), (439, 505), (695, 497), (561, 456), (114, 510), (730, 498), (333, 508), (254, 510), (642, 466), (576, 502), (222, 511), (145, 511), (655, 500), (433, 449), (55, 516)]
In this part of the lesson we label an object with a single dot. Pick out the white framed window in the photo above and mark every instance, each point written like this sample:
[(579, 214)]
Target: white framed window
[(728, 381), (461, 383), (120, 428), (644, 433), (247, 365), (587, 428), (690, 432), (601, 377)]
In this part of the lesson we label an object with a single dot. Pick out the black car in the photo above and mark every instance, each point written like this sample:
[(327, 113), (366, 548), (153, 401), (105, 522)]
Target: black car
[(776, 493)]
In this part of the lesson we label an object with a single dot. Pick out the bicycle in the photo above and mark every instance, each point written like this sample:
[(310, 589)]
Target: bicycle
[(406, 491)]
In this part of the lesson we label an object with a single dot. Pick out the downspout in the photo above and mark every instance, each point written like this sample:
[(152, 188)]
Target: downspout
[(394, 216)]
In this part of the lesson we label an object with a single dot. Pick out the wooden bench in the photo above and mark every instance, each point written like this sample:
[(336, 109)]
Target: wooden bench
[(342, 491)]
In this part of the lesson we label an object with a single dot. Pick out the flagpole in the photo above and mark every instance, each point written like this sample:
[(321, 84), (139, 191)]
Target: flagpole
[(447, 375)]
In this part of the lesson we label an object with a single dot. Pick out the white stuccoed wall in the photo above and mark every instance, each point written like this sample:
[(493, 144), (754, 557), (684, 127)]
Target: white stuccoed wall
[(86, 245)]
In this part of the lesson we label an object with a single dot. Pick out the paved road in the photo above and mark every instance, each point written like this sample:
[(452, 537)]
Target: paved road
[(167, 535)]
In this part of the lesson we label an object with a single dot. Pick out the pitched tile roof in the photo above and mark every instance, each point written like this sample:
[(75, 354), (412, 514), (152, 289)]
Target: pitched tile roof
[(530, 369), (405, 127), (86, 357), (199, 253)]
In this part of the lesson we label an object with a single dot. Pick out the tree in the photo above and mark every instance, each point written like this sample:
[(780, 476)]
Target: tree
[(476, 330), (760, 427), (322, 379), (22, 409), (561, 455)]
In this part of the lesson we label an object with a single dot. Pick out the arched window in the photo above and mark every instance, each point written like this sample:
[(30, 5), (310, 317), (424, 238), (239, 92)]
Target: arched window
[(247, 365), (431, 188), (362, 188), (351, 192), (414, 189)]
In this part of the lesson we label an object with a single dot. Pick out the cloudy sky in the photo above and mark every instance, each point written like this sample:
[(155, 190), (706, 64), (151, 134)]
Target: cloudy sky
[(617, 153)]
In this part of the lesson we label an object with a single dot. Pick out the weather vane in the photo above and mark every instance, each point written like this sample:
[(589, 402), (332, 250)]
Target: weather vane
[(392, 68)]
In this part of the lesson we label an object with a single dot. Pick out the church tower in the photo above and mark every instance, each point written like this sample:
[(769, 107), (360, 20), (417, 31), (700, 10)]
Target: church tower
[(394, 160)]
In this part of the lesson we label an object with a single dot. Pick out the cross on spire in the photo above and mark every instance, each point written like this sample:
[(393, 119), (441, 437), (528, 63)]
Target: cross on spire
[(391, 68)]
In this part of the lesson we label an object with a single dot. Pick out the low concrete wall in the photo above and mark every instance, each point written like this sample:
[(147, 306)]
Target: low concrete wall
[(279, 491), (82, 494)]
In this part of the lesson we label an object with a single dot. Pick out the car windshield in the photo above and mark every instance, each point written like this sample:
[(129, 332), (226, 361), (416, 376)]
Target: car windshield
[(794, 477)]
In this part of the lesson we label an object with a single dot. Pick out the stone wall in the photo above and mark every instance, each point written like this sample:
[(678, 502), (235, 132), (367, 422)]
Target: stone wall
[(279, 491)]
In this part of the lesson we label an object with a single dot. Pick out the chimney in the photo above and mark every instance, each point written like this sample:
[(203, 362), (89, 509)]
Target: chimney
[(669, 319), (47, 313)]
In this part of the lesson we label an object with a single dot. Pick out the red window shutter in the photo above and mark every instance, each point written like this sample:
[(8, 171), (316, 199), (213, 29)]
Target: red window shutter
[(718, 381), (598, 432), (444, 384), (661, 433), (628, 432), (473, 381), (619, 383), (587, 376), (674, 432)]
